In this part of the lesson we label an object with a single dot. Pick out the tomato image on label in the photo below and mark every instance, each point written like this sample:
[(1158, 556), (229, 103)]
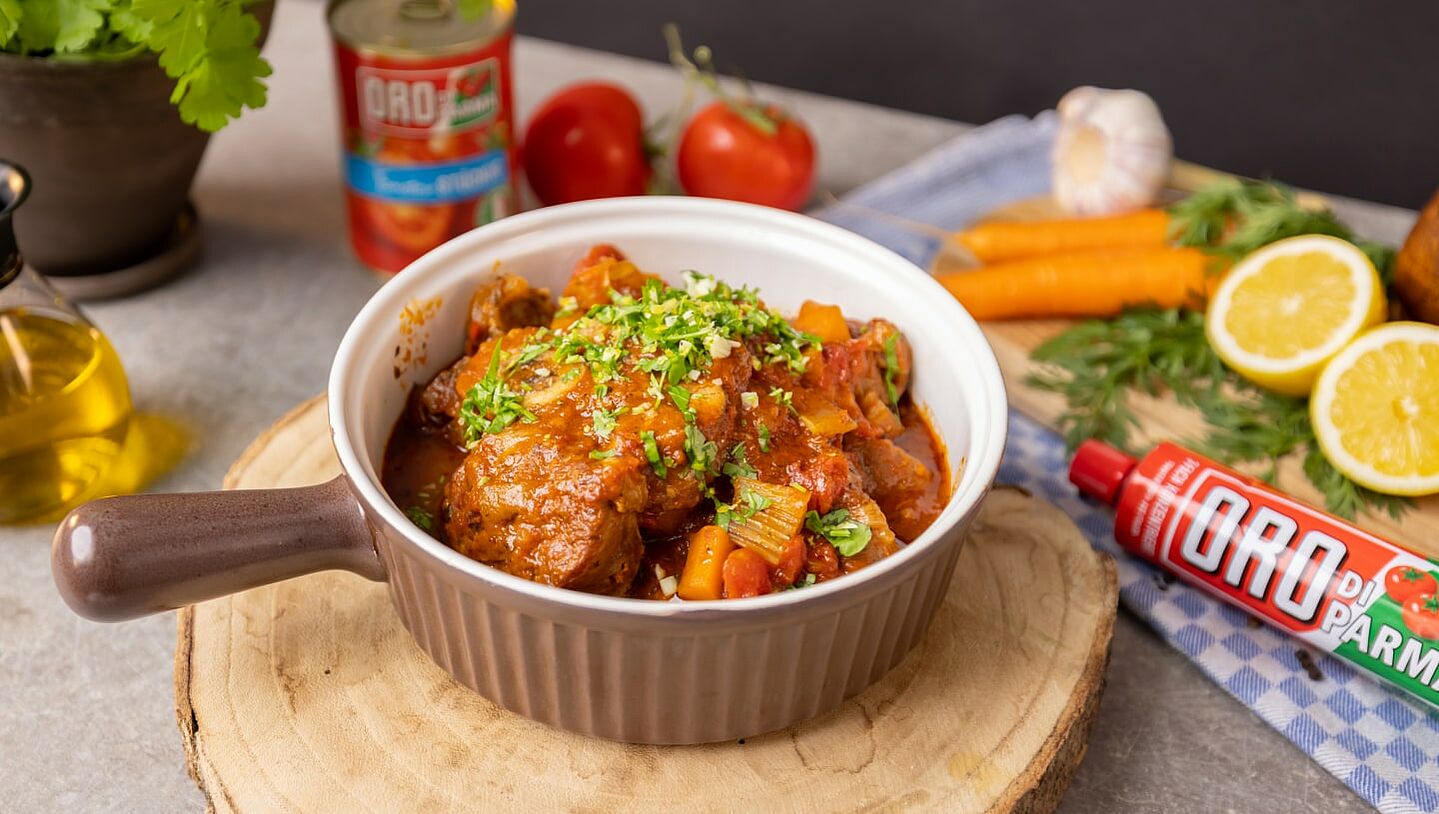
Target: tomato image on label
[(1421, 616), (1403, 582)]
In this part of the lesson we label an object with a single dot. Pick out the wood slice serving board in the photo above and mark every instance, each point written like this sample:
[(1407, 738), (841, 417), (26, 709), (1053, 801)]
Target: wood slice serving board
[(1164, 419), (310, 696)]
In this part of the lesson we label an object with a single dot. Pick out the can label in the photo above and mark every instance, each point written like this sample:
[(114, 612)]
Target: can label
[(428, 150), (1337, 587)]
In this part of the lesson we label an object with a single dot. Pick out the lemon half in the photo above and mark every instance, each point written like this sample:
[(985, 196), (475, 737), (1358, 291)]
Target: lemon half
[(1375, 409), (1287, 308)]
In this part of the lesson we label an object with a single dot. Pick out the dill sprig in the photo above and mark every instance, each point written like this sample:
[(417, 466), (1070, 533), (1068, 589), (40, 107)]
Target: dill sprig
[(1096, 364), (1231, 218)]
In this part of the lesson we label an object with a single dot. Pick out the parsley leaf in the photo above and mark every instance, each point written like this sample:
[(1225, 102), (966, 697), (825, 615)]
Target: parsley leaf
[(490, 405), (64, 26), (420, 517), (604, 422), (784, 397), (891, 368), (763, 438), (849, 537), (738, 465), (652, 453)]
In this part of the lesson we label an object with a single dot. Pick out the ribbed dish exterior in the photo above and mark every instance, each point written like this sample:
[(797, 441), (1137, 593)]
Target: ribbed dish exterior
[(673, 680)]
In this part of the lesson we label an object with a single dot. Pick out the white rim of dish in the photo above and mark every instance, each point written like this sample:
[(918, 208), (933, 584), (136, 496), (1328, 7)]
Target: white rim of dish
[(975, 478), (1361, 271), (1323, 402)]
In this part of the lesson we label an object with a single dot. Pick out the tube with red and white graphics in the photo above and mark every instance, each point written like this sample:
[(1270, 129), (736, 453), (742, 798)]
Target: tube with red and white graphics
[(1312, 575)]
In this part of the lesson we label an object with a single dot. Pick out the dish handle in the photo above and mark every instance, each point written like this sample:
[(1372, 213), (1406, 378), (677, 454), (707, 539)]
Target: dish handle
[(124, 557)]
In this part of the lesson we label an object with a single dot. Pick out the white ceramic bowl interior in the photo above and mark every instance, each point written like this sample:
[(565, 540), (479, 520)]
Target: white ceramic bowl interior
[(788, 257)]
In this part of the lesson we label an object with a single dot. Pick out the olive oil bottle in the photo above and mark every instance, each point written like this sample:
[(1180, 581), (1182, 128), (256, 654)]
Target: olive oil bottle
[(64, 400)]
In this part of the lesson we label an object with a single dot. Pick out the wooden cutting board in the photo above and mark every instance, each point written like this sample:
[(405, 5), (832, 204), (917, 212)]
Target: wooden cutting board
[(1163, 419), (310, 695)]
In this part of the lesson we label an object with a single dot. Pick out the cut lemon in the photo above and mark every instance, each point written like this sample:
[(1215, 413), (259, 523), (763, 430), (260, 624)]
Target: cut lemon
[(1375, 409), (1284, 310)]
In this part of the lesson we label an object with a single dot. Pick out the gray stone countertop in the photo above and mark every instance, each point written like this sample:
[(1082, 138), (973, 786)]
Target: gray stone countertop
[(87, 722)]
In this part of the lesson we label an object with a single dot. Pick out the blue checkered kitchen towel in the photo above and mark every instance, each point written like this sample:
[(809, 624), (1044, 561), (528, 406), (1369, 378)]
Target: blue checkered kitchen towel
[(1383, 746)]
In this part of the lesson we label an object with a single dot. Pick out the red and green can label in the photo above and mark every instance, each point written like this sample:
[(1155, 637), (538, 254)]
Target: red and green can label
[(1337, 587), (428, 148)]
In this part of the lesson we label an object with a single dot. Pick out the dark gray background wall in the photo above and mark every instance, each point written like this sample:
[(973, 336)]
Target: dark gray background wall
[(1336, 96)]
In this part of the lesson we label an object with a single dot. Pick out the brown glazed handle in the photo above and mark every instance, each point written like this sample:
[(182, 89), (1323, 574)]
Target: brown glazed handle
[(124, 557)]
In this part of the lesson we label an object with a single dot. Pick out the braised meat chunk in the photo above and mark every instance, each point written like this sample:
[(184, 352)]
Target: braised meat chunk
[(525, 502), (654, 440)]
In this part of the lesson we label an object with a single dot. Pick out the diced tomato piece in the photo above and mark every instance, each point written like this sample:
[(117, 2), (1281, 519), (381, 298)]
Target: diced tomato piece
[(791, 562), (598, 252), (745, 574)]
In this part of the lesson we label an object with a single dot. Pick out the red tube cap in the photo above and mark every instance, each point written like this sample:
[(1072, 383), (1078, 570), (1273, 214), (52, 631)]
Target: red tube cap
[(1099, 469)]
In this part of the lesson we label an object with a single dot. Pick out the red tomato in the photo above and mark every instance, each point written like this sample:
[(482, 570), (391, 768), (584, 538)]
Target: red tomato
[(745, 573), (1421, 615), (587, 141), (1403, 582), (791, 563), (722, 155)]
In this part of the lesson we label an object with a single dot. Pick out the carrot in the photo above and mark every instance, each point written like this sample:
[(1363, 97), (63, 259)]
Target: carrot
[(1082, 284), (702, 576), (1002, 241)]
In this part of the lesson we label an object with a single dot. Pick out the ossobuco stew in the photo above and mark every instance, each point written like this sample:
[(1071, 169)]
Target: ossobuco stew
[(655, 441)]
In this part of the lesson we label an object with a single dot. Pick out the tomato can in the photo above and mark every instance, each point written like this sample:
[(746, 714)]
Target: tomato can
[(425, 104)]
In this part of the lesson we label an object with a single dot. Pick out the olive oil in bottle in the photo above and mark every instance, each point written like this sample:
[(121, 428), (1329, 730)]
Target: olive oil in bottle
[(64, 411), (64, 402)]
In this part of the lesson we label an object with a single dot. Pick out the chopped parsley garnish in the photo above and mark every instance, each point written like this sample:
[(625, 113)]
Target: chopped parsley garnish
[(652, 453), (849, 537), (701, 451), (747, 504), (681, 398), (601, 454), (604, 422), (738, 465), (891, 367), (420, 517), (808, 580), (784, 397), (763, 438), (490, 405)]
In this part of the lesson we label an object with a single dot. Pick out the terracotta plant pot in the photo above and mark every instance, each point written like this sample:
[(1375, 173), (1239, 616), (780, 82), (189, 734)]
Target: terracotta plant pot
[(110, 158)]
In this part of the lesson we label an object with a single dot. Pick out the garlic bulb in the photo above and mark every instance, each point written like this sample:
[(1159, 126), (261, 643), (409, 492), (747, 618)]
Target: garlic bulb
[(1111, 152)]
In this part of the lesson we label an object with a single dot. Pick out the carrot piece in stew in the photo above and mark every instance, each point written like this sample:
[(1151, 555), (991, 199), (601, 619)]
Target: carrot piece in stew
[(703, 576)]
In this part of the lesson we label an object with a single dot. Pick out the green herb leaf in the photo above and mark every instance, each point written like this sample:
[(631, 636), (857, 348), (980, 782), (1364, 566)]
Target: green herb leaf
[(701, 451), (490, 405), (1230, 219), (10, 13), (784, 397), (652, 453), (420, 517), (601, 454), (64, 26), (891, 368), (738, 465), (849, 537), (763, 438), (603, 422)]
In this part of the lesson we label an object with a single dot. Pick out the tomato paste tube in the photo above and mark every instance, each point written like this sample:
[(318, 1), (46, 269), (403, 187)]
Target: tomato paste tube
[(1337, 587)]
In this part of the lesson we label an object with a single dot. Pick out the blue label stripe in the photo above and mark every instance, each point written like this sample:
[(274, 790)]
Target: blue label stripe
[(432, 182)]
